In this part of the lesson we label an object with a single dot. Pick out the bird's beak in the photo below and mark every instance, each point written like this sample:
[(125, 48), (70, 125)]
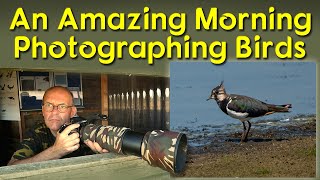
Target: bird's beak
[(209, 98)]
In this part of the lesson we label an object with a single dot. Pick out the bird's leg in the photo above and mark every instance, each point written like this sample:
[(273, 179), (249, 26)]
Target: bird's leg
[(243, 137), (249, 127)]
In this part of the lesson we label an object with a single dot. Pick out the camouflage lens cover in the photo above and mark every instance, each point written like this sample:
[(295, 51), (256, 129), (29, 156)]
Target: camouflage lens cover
[(165, 149), (108, 137)]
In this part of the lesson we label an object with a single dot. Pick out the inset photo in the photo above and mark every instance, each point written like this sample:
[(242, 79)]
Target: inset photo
[(246, 119)]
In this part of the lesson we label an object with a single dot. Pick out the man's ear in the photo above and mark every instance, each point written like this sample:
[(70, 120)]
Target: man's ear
[(73, 111)]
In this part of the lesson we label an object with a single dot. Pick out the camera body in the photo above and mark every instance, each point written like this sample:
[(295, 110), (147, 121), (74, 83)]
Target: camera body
[(83, 122)]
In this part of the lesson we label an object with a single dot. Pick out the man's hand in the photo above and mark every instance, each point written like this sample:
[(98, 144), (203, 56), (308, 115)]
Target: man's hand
[(95, 147), (66, 143)]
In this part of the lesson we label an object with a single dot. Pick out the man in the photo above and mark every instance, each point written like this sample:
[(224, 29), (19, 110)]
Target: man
[(44, 142)]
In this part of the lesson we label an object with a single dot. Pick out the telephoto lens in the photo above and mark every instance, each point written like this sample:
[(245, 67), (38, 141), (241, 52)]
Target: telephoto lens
[(164, 149)]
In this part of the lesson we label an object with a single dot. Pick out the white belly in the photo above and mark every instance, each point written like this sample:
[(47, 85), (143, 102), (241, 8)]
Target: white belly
[(237, 115)]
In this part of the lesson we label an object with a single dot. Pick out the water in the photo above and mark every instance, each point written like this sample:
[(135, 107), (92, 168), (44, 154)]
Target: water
[(273, 82)]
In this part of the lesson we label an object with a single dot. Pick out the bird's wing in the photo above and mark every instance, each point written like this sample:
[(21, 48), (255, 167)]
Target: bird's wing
[(249, 105)]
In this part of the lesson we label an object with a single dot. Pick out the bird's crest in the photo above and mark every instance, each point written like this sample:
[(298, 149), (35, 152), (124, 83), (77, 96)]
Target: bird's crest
[(220, 87), (221, 84)]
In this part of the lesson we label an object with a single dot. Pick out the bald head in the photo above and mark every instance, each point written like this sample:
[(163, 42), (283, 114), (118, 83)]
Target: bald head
[(58, 89)]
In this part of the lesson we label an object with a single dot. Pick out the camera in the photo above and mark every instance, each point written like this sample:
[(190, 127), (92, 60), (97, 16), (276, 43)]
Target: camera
[(164, 149)]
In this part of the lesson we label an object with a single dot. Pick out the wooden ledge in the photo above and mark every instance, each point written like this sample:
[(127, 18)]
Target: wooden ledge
[(99, 166)]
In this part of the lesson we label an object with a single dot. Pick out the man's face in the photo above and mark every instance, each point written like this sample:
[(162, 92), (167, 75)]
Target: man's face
[(55, 119)]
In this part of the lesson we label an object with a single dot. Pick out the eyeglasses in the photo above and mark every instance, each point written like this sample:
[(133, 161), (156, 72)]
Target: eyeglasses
[(61, 107)]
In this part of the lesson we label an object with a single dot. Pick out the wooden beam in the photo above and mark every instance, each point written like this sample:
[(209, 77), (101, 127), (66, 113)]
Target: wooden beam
[(104, 97), (99, 166), (22, 126)]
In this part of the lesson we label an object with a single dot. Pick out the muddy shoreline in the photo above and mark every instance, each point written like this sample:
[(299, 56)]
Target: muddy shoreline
[(286, 151)]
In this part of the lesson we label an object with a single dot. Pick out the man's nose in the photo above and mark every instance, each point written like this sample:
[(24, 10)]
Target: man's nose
[(55, 109)]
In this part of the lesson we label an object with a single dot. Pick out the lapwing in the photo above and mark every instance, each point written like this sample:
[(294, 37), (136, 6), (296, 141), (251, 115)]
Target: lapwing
[(243, 107)]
